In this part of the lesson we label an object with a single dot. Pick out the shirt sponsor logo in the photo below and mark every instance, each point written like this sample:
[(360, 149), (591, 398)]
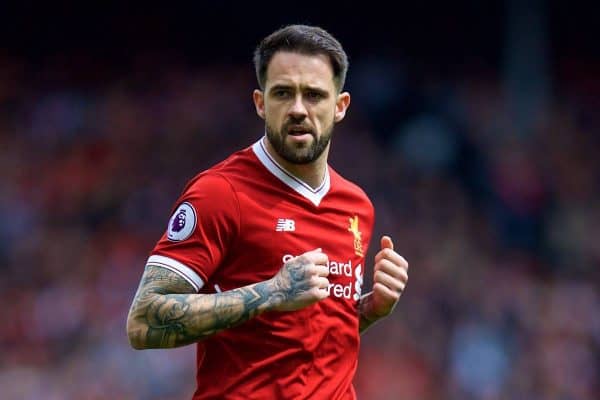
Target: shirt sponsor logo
[(285, 225), (342, 268), (182, 223)]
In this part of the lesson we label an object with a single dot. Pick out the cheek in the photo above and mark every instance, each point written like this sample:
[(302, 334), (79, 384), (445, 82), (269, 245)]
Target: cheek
[(325, 118), (273, 115)]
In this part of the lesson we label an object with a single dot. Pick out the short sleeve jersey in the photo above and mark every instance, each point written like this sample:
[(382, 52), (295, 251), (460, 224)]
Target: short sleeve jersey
[(236, 224)]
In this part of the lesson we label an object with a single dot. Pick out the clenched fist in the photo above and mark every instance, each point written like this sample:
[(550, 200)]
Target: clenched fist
[(301, 281), (389, 280)]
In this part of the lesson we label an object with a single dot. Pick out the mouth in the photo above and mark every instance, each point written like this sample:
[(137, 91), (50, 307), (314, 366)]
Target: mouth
[(298, 130)]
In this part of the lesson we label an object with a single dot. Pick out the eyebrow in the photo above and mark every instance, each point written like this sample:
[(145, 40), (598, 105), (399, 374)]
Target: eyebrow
[(279, 87), (288, 87)]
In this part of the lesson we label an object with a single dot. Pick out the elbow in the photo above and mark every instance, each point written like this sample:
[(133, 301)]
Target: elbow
[(135, 343), (136, 334)]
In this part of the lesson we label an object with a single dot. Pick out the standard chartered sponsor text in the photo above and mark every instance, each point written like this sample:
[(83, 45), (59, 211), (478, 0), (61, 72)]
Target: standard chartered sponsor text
[(351, 289)]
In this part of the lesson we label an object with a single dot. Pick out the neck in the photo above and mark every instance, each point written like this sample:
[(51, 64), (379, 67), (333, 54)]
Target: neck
[(312, 173)]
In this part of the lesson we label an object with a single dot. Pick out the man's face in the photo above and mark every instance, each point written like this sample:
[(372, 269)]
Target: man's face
[(300, 105)]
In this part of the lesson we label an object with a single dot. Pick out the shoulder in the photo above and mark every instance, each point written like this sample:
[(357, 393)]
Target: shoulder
[(222, 177), (212, 193), (209, 182), (348, 188)]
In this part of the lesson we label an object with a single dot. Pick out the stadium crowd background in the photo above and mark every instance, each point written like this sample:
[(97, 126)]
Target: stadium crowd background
[(478, 143)]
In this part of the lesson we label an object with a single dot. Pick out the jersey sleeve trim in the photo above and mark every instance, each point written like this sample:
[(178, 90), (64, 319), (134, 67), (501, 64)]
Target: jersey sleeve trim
[(183, 270)]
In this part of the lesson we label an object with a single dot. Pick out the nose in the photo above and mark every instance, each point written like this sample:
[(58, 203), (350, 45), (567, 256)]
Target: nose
[(297, 109)]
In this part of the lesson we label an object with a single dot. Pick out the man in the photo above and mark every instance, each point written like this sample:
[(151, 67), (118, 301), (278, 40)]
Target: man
[(262, 261)]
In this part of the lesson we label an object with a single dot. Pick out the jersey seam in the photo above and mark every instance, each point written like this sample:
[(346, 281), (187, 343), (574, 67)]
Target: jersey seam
[(237, 204)]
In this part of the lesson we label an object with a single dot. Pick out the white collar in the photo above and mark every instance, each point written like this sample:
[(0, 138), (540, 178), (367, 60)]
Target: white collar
[(314, 195)]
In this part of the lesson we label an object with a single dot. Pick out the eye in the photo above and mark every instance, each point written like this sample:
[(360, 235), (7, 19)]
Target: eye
[(314, 96), (281, 93)]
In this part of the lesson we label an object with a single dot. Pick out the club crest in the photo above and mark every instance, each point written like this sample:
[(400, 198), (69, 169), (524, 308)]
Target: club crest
[(358, 250)]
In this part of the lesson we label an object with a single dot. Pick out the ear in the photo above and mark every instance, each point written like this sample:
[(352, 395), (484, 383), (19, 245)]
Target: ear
[(341, 105), (259, 102)]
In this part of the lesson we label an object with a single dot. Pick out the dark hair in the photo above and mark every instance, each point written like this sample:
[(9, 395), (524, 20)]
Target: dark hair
[(303, 39)]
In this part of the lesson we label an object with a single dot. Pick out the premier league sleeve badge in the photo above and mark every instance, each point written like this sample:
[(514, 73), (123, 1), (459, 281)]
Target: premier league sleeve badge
[(182, 223)]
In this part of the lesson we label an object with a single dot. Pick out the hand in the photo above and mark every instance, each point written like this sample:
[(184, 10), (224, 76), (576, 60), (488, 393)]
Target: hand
[(301, 281), (389, 280)]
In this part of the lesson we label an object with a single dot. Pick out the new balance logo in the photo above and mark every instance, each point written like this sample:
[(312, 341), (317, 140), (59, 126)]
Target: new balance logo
[(285, 225)]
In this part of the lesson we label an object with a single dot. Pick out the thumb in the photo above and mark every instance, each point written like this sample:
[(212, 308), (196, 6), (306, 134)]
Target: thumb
[(386, 242)]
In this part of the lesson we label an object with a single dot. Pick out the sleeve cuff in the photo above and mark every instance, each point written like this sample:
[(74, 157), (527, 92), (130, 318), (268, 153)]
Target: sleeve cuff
[(183, 270)]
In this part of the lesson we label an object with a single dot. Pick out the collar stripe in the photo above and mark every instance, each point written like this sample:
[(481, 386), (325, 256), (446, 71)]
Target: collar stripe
[(314, 195)]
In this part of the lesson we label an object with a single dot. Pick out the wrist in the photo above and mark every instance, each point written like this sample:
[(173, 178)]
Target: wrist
[(366, 315), (275, 295), (366, 308)]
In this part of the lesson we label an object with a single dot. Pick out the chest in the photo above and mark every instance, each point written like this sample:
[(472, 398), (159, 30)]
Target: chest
[(273, 232)]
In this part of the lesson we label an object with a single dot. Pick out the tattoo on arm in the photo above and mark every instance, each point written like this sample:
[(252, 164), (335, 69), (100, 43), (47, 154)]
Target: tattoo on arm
[(290, 282), (166, 312)]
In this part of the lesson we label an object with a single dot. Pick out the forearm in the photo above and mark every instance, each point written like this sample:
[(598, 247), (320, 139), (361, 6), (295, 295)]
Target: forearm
[(159, 320)]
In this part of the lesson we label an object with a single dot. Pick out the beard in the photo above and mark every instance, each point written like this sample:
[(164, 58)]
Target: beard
[(298, 153)]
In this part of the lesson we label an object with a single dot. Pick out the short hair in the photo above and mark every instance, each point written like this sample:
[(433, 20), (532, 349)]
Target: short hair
[(303, 39)]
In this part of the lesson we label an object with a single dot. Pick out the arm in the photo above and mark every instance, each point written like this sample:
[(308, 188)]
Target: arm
[(389, 280), (167, 313)]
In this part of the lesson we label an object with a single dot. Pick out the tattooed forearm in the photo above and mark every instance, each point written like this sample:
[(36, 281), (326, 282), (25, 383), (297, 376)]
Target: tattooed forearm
[(165, 312)]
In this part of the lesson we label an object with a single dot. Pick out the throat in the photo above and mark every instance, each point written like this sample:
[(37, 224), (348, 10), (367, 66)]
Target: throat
[(312, 174)]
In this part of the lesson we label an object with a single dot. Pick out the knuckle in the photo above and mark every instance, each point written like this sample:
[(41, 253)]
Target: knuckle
[(403, 285), (392, 265), (316, 281), (377, 275), (396, 268)]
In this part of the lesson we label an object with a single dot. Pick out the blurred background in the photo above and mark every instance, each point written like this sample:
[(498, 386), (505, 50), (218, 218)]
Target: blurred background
[(473, 127)]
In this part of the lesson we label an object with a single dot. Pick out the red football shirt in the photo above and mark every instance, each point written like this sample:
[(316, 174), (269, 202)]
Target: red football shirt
[(236, 224)]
